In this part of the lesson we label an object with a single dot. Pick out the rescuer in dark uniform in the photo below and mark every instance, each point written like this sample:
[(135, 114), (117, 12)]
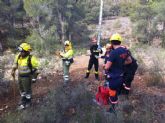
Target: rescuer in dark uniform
[(115, 67), (129, 73), (95, 50)]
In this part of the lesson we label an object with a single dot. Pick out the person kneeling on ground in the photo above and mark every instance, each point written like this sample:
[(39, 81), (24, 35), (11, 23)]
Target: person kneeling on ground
[(129, 73)]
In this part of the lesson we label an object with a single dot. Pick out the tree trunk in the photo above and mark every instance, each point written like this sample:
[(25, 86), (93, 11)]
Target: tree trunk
[(62, 26), (70, 36), (162, 35), (163, 30), (1, 49)]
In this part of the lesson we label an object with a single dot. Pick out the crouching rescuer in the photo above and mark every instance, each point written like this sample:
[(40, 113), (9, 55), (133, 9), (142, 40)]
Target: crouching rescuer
[(27, 66), (129, 73), (67, 60)]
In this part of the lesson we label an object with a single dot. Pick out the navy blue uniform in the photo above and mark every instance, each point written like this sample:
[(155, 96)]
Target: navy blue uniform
[(115, 73)]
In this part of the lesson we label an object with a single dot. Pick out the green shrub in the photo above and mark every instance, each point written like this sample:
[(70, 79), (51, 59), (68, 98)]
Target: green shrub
[(79, 51)]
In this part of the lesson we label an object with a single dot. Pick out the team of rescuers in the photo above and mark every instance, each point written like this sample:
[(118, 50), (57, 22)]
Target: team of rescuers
[(119, 68)]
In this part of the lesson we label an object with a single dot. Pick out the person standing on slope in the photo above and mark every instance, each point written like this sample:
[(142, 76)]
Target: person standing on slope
[(67, 60), (95, 51), (27, 66)]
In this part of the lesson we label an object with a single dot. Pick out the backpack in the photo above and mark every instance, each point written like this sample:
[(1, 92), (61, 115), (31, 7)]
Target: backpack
[(102, 96)]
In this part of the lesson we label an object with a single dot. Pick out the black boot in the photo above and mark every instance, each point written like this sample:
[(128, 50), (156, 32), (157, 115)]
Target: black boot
[(22, 103), (112, 109), (97, 76), (28, 103), (23, 100), (87, 74), (126, 92)]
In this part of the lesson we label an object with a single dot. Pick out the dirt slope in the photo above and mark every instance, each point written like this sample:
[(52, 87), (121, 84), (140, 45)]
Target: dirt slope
[(142, 97), (144, 102)]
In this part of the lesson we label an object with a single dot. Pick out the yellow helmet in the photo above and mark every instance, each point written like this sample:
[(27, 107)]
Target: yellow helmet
[(25, 47), (68, 45), (116, 37)]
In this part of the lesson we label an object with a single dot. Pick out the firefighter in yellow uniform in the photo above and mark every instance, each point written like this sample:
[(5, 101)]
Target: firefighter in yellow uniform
[(67, 60), (27, 66)]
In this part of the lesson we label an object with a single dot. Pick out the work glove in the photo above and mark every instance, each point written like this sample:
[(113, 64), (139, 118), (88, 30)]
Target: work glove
[(34, 80), (99, 48), (35, 75), (61, 54)]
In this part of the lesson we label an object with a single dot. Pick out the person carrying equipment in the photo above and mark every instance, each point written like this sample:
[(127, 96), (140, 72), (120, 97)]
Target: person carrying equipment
[(27, 66), (67, 60), (95, 51), (102, 96), (115, 68)]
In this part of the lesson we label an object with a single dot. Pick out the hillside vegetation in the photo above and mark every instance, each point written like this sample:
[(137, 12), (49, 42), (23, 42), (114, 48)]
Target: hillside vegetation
[(46, 24)]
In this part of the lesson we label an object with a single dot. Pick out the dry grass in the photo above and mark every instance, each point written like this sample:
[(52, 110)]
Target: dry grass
[(155, 76), (154, 79), (141, 66), (75, 105), (156, 71), (151, 65), (117, 24)]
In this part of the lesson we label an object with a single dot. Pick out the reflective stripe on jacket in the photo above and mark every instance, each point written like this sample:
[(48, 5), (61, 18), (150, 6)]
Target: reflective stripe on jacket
[(22, 64)]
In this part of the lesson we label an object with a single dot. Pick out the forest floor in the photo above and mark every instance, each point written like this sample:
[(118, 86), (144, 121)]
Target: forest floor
[(144, 102), (141, 98)]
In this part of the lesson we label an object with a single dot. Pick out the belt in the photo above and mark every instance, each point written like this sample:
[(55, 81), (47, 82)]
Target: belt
[(25, 75)]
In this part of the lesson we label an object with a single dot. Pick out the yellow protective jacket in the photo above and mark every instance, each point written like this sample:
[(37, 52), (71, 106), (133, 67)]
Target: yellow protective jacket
[(68, 54), (22, 64)]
